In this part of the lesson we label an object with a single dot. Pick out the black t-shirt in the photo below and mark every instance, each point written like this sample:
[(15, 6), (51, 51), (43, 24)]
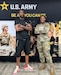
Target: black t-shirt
[(21, 34)]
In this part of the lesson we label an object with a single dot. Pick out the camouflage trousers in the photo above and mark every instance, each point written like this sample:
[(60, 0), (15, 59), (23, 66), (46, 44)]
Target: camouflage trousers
[(44, 51)]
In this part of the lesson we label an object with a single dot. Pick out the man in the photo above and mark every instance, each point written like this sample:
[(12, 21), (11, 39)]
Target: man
[(43, 46), (23, 41)]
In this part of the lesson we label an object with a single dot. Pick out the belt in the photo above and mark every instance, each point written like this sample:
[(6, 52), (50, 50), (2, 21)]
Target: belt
[(42, 33), (4, 44)]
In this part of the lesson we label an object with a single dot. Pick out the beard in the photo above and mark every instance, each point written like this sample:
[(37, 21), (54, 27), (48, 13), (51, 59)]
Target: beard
[(22, 17)]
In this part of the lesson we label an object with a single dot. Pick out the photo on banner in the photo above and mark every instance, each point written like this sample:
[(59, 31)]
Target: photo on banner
[(7, 38)]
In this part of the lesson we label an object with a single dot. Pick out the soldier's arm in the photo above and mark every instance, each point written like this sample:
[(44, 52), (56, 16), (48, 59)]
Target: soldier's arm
[(19, 27), (37, 30), (11, 37), (12, 41), (47, 28)]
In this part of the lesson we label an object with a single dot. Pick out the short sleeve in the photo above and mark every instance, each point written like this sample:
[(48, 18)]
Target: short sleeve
[(16, 21)]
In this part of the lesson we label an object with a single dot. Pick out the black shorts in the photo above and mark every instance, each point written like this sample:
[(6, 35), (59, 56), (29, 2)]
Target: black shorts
[(22, 45)]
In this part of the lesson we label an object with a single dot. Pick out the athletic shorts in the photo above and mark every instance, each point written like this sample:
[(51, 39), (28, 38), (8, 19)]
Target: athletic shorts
[(22, 45)]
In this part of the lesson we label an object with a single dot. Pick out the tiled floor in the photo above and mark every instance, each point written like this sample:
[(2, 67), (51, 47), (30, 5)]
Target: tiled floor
[(8, 68)]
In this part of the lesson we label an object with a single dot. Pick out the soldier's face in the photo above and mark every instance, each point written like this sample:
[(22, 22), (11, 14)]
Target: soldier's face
[(42, 19), (6, 29), (21, 13)]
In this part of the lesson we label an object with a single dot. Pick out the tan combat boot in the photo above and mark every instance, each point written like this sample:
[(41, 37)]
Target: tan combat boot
[(52, 72), (42, 67)]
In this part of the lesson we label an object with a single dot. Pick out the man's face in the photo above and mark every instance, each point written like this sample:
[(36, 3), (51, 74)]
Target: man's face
[(6, 28), (42, 19), (21, 13)]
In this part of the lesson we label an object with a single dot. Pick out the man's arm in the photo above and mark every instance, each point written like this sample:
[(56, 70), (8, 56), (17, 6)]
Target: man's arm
[(28, 27), (19, 27)]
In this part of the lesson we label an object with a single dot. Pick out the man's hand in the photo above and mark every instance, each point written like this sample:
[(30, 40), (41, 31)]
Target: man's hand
[(28, 27), (19, 27)]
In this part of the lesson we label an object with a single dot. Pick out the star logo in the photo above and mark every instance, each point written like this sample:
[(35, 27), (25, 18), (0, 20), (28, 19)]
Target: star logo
[(4, 6)]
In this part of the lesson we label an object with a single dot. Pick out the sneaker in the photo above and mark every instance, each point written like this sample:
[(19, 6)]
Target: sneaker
[(29, 68), (16, 70)]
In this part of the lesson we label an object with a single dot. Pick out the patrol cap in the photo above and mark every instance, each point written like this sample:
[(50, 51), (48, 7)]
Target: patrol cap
[(3, 26)]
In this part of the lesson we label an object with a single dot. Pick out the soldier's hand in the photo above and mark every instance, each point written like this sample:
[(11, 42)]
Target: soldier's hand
[(28, 25)]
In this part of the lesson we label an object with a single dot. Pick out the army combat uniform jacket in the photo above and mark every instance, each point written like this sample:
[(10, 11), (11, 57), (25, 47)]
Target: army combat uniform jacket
[(43, 39)]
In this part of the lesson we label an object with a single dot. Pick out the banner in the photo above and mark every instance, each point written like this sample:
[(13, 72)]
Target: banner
[(33, 10), (9, 9)]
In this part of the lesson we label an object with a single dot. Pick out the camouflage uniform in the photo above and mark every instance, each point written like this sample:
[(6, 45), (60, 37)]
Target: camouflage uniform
[(5, 48), (4, 39), (43, 45)]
